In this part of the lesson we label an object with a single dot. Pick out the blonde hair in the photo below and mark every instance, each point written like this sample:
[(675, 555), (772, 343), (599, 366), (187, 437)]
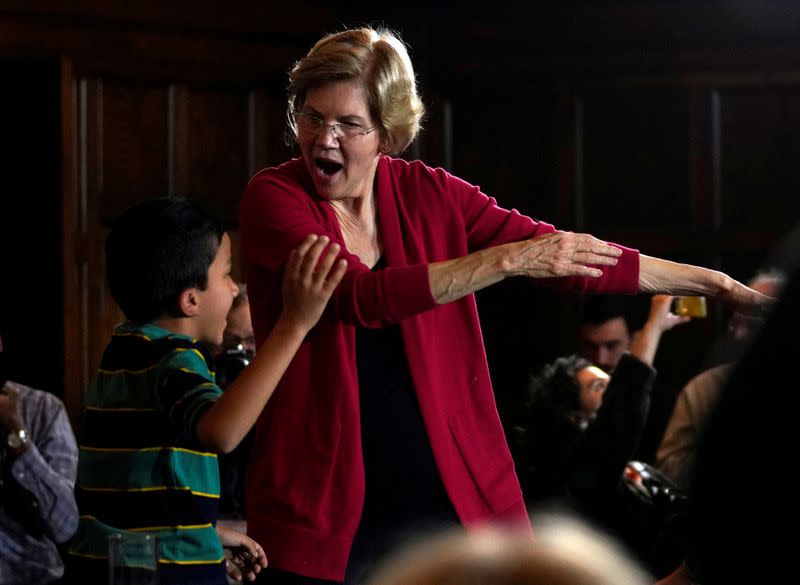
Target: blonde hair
[(562, 552), (379, 60)]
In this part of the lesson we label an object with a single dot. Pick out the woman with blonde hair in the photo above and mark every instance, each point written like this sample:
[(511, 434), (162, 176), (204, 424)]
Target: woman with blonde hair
[(385, 422)]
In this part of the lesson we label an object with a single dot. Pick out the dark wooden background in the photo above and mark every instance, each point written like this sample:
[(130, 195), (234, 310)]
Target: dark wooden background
[(673, 127)]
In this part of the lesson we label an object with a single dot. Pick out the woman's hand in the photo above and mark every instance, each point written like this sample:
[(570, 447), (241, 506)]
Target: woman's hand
[(657, 275), (310, 279), (561, 254), (745, 300), (244, 557), (547, 256)]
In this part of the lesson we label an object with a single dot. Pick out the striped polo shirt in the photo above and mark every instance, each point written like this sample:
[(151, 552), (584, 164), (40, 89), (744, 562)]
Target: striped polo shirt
[(140, 466)]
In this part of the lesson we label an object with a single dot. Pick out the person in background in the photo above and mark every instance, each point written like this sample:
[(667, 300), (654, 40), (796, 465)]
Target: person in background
[(741, 502), (38, 464), (604, 332), (154, 417), (237, 350), (238, 332), (584, 425), (696, 401), (385, 422), (565, 399)]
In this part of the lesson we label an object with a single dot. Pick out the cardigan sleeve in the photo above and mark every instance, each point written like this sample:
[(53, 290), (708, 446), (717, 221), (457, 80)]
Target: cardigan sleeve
[(276, 215), (487, 225)]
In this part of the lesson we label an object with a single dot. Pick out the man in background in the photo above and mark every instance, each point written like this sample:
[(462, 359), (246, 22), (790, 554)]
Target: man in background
[(38, 465)]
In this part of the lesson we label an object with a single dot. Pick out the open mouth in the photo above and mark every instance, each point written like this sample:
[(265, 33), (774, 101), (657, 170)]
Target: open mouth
[(328, 167)]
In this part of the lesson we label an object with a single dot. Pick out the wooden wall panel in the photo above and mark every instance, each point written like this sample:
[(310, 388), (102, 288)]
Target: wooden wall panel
[(133, 143), (99, 313), (760, 157), (217, 149), (635, 158), (507, 149), (272, 144), (31, 309)]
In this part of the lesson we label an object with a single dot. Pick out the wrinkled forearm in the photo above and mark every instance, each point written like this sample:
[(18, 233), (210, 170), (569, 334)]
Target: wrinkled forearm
[(453, 279), (657, 275)]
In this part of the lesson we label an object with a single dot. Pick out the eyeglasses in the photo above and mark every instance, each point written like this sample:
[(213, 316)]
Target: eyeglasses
[(312, 125)]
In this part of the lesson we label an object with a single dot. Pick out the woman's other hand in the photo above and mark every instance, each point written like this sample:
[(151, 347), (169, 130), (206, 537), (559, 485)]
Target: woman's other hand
[(551, 255), (745, 300), (561, 254), (657, 275)]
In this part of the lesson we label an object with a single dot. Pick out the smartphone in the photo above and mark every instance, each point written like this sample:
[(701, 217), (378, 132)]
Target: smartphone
[(694, 307)]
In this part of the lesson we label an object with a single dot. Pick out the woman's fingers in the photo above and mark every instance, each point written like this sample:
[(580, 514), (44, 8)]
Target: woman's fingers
[(580, 270), (747, 301), (568, 254), (590, 250), (588, 243), (594, 258)]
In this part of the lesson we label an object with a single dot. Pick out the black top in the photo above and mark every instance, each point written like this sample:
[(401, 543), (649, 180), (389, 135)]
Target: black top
[(405, 495)]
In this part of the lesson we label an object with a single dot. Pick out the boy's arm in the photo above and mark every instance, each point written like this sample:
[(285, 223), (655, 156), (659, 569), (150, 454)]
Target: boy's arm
[(308, 284)]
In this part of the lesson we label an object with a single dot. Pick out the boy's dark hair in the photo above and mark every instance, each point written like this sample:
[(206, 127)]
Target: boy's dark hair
[(157, 249), (557, 387)]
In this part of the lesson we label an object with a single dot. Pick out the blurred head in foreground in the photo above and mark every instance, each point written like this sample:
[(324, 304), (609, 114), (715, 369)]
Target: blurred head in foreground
[(562, 552)]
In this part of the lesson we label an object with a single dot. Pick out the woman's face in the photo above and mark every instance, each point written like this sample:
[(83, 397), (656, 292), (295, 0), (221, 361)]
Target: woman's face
[(592, 381), (341, 166)]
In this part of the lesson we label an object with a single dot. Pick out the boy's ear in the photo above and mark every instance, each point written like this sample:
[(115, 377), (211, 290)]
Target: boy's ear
[(188, 304)]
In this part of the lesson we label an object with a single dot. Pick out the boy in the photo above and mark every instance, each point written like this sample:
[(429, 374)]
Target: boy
[(154, 416)]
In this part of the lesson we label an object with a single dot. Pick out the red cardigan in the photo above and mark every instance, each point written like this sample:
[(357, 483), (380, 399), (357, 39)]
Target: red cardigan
[(305, 486)]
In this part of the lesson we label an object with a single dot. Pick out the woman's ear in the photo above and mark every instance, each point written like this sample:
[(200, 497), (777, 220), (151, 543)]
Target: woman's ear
[(188, 304)]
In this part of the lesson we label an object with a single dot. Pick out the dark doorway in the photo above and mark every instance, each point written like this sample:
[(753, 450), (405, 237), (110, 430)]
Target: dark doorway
[(31, 312)]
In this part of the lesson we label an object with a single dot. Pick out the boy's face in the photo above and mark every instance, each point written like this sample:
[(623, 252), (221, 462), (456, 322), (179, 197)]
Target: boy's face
[(215, 301)]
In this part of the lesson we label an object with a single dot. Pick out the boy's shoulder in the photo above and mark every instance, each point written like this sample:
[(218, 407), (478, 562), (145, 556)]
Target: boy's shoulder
[(155, 345), (148, 356)]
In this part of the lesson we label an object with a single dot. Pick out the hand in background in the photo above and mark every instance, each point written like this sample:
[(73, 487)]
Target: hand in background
[(9, 415), (661, 316), (645, 341)]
